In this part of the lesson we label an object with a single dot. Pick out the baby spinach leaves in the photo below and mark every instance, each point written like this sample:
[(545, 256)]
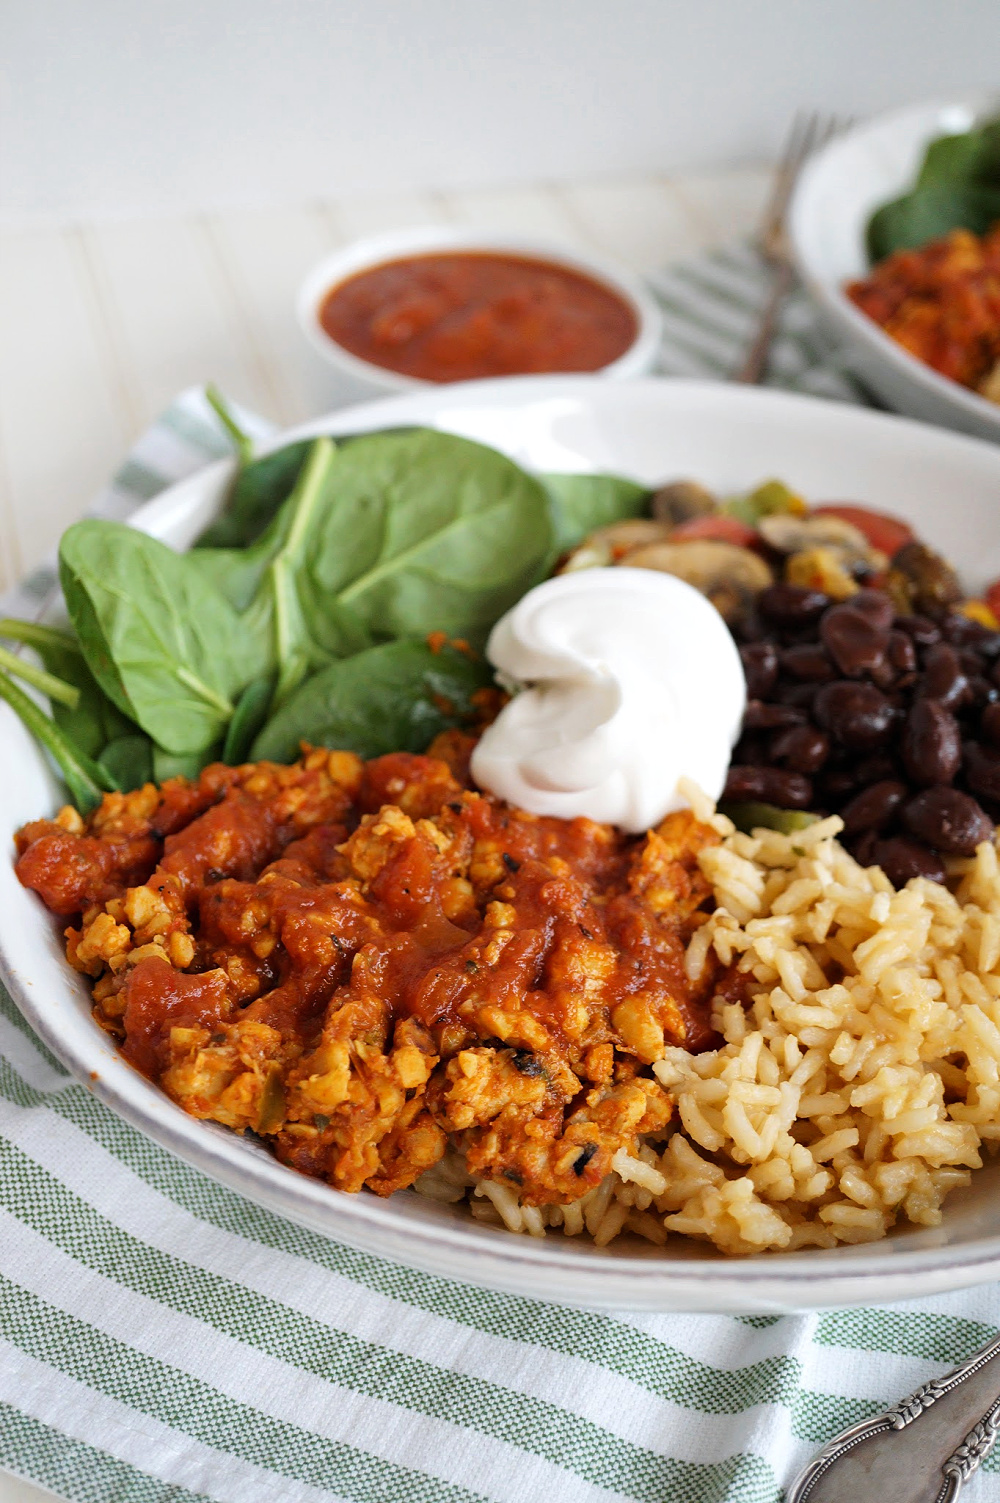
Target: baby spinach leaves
[(394, 697), (304, 612), (162, 643), (958, 186), (582, 503)]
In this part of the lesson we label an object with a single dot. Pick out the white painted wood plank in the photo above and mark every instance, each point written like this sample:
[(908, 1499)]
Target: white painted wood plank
[(267, 254), (643, 222), (726, 205), (174, 314), (16, 1490), (535, 210), (358, 217), (62, 428)]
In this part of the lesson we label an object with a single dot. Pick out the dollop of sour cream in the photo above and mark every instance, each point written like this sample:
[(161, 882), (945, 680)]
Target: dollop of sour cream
[(625, 682)]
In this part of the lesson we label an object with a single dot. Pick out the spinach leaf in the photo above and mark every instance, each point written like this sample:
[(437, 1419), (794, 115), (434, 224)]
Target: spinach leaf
[(249, 719), (930, 212), (973, 156), (395, 697), (86, 781), (166, 647), (582, 503), (423, 532), (167, 765), (129, 760), (257, 495), (94, 720)]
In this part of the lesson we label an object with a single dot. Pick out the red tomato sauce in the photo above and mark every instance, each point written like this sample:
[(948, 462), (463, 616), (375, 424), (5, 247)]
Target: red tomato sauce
[(467, 314)]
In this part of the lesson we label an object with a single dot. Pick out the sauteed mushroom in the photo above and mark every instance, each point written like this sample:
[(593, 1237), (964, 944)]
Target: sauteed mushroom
[(609, 545), (729, 576), (682, 500)]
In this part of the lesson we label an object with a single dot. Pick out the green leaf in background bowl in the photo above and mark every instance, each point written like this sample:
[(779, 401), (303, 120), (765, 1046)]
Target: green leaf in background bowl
[(957, 187), (928, 213)]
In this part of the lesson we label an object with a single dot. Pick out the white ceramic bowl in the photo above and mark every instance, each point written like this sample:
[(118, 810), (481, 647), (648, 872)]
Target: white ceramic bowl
[(729, 437), (833, 200), (637, 360)]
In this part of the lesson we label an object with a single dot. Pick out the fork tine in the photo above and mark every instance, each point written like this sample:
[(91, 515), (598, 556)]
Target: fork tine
[(800, 142)]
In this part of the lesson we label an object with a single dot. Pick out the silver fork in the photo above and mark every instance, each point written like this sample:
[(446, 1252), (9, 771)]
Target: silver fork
[(809, 131), (919, 1451)]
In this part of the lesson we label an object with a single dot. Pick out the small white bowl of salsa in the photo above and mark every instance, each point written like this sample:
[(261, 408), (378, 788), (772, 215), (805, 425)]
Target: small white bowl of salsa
[(429, 306)]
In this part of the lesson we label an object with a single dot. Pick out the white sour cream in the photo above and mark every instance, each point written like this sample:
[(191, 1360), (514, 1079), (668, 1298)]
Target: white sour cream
[(626, 681)]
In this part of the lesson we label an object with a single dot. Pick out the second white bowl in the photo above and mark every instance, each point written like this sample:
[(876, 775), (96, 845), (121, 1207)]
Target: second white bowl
[(833, 201)]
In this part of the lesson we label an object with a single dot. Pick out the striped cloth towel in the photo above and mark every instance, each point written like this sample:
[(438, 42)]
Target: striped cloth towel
[(163, 1340)]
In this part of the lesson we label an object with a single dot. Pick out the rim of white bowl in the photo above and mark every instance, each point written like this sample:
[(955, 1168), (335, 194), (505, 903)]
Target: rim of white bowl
[(831, 295), (392, 245)]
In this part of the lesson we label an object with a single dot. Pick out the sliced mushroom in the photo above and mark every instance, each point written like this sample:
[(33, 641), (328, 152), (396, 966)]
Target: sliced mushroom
[(730, 576), (609, 545), (924, 579), (682, 500), (789, 534)]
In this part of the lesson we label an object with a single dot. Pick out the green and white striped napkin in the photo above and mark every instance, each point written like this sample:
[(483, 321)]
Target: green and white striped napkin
[(163, 1340)]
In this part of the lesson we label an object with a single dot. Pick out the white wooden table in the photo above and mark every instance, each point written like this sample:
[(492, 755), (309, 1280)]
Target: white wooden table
[(103, 324)]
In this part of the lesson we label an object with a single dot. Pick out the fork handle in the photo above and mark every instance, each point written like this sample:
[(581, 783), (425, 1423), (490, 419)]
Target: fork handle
[(754, 367), (921, 1450)]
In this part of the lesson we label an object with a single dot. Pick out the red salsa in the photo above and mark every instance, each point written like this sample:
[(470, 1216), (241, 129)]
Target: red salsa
[(465, 314)]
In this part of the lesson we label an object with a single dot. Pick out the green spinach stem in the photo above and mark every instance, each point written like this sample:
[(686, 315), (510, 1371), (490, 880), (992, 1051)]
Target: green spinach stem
[(55, 688), (35, 634), (86, 781), (241, 440)]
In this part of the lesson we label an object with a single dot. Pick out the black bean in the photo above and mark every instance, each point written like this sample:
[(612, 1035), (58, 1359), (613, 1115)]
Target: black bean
[(760, 666), (862, 847), (875, 769), (856, 639), (982, 692), (764, 717), (858, 715), (932, 744), (943, 676), (527, 1063), (876, 605), (948, 820), (772, 785), (969, 660), (882, 674), (902, 653), (839, 783), (791, 605), (874, 808), (808, 662), (920, 629), (982, 770), (902, 859), (961, 630), (801, 748), (989, 646), (989, 726), (799, 695)]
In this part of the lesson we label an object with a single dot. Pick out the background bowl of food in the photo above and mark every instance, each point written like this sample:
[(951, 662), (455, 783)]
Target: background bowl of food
[(922, 332), (435, 304), (855, 1092)]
